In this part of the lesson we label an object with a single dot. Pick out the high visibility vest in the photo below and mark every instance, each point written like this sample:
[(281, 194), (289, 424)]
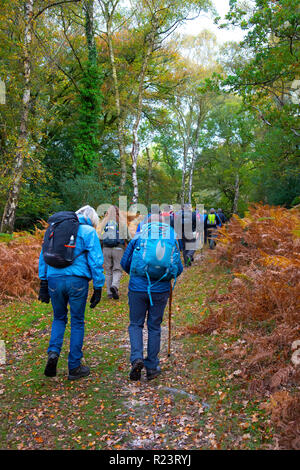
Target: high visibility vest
[(211, 219)]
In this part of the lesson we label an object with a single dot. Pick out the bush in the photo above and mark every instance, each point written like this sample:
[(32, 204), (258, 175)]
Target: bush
[(19, 265), (262, 307)]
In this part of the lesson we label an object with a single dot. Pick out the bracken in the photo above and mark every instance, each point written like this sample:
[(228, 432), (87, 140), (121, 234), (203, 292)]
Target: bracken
[(263, 253)]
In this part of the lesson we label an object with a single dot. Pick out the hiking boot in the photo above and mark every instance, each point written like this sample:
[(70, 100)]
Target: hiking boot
[(78, 372), (50, 369), (115, 292), (137, 366), (152, 373)]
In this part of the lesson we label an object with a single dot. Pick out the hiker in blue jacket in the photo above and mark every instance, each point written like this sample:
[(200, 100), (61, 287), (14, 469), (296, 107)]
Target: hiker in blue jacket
[(143, 300), (70, 285)]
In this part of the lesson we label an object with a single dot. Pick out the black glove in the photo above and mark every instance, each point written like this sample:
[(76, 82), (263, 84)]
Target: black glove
[(44, 293), (96, 297)]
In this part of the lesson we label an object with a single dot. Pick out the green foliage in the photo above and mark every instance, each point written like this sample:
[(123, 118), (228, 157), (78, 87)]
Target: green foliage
[(86, 189), (249, 131), (86, 141)]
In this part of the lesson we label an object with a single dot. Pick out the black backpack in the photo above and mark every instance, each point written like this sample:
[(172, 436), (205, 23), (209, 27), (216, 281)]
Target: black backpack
[(188, 226), (60, 239)]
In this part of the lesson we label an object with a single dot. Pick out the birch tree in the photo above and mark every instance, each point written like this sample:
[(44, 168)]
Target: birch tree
[(9, 214), (160, 19), (30, 16), (108, 10)]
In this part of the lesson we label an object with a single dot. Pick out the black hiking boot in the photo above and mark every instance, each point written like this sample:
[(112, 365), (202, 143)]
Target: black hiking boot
[(50, 369), (153, 373), (137, 366), (80, 371), (115, 292)]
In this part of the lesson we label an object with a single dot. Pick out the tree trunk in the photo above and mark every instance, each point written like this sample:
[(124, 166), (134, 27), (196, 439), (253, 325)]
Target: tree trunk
[(194, 158), (201, 113), (9, 214), (121, 139), (89, 31), (134, 157), (236, 194), (135, 141), (185, 150), (149, 179)]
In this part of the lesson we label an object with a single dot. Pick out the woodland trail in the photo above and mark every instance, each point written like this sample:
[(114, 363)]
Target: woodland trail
[(195, 404)]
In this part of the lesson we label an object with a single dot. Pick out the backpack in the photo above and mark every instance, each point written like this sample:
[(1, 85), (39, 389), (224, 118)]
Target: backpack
[(155, 255), (111, 235), (212, 220), (222, 217), (60, 239), (187, 226)]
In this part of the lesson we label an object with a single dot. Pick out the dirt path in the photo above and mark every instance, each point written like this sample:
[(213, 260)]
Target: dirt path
[(194, 404)]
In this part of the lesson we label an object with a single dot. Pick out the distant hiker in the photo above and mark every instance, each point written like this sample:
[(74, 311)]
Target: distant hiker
[(222, 216), (71, 256), (152, 259), (188, 229), (113, 250), (212, 222)]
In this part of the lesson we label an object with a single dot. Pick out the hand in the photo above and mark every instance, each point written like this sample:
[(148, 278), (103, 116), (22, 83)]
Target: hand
[(44, 293), (96, 297)]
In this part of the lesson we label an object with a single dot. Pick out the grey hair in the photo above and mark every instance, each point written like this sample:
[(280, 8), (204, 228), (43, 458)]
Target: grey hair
[(89, 213)]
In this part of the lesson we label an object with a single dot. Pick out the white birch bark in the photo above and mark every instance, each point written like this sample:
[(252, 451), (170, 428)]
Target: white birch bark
[(9, 214), (135, 140), (108, 15), (236, 194)]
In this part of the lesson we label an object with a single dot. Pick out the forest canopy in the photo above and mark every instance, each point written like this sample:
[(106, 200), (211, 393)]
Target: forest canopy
[(101, 98)]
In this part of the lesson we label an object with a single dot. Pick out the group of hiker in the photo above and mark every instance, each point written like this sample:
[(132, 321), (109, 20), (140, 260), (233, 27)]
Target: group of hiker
[(73, 254)]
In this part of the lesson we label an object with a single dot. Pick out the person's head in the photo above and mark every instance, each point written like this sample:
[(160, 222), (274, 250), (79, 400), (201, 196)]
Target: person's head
[(212, 211), (113, 213), (220, 210), (89, 213)]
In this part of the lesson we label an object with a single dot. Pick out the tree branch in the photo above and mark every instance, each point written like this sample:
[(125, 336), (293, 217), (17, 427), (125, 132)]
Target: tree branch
[(63, 2)]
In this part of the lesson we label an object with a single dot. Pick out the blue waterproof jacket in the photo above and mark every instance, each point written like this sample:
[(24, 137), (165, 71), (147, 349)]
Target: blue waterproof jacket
[(88, 264), (140, 283)]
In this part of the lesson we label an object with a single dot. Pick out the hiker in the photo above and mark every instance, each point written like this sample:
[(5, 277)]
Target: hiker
[(113, 250), (72, 245), (222, 216), (149, 289), (188, 220), (212, 222)]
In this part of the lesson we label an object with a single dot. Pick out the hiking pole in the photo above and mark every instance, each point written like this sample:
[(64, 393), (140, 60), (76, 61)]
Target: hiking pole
[(170, 315)]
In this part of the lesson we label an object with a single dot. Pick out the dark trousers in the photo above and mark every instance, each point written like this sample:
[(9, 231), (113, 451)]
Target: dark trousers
[(139, 305), (188, 254)]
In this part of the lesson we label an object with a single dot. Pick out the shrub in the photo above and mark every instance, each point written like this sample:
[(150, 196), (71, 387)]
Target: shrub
[(262, 251), (19, 265)]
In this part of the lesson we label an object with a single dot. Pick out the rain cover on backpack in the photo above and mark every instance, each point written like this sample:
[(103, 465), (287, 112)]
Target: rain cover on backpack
[(155, 255)]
